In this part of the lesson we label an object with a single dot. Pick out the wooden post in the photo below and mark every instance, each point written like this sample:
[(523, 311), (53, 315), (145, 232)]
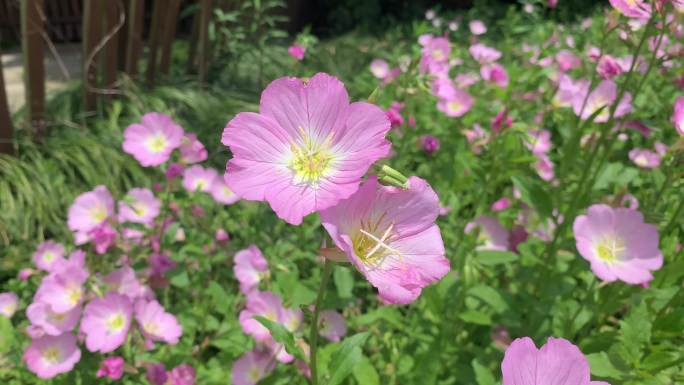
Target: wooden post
[(113, 9), (34, 66), (123, 35), (192, 50), (170, 22), (93, 16), (205, 17), (6, 130), (158, 14), (136, 12)]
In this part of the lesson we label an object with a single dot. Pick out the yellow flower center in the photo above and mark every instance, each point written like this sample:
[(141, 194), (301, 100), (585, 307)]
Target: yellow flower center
[(610, 249), (74, 294), (151, 327), (116, 323), (52, 355), (156, 143), (641, 160), (9, 309), (311, 161), (49, 256), (98, 214), (371, 243), (254, 375), (139, 208), (454, 106), (438, 55)]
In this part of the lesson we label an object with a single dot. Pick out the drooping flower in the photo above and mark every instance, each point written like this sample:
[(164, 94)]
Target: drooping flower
[(491, 234), (544, 167), (678, 115), (390, 236), (40, 314), (8, 304), (197, 178), (332, 325), (251, 367), (183, 374), (192, 150), (250, 267), (457, 105), (618, 244), (156, 324), (221, 193), (484, 54), (106, 321), (495, 73), (306, 149), (297, 51), (49, 356), (111, 367), (139, 206), (153, 139), (644, 158), (501, 204), (502, 120), (48, 254), (538, 141), (379, 68), (558, 362), (90, 210), (477, 27), (602, 97), (633, 8)]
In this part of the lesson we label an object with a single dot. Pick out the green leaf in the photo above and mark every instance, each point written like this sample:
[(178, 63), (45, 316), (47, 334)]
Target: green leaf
[(348, 356), (483, 375), (475, 317), (493, 257), (302, 295), (602, 367), (534, 194), (282, 335), (344, 281), (490, 296), (636, 332), (365, 373), (180, 280), (6, 335)]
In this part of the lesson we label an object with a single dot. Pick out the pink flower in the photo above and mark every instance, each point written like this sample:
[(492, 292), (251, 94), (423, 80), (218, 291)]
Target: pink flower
[(544, 167), (495, 73), (90, 210), (538, 141), (173, 171), (491, 235), (552, 3), (250, 267), (456, 106), (608, 67), (332, 325), (156, 374), (618, 244), (379, 68), (477, 27), (297, 51), (48, 254), (570, 91), (106, 321), (153, 139), (501, 204), (25, 274), (466, 80), (603, 96), (8, 304), (260, 303), (160, 263), (102, 236), (40, 314), (182, 375), (112, 368), (567, 60), (123, 281), (139, 206), (197, 178), (632, 8), (429, 144), (484, 54), (251, 367), (435, 56), (221, 192), (156, 324), (307, 148), (49, 356), (62, 290), (394, 114), (644, 158), (390, 236), (192, 150), (501, 121), (678, 115), (221, 235), (557, 362)]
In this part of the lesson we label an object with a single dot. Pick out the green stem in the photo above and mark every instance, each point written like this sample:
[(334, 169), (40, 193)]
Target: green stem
[(313, 333)]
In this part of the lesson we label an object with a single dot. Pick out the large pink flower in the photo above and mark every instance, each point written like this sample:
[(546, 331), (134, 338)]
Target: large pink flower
[(558, 362), (633, 8), (306, 149), (62, 290), (106, 322), (390, 236), (678, 115), (139, 206), (153, 139), (49, 356), (618, 244), (90, 210)]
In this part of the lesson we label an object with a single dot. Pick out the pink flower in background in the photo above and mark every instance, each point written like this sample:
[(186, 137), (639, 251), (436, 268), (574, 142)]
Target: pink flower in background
[(139, 206), (491, 234), (156, 374), (644, 158), (90, 210), (40, 314), (250, 266), (49, 356), (429, 144), (63, 290), (307, 148), (458, 105), (660, 148), (477, 138), (638, 126), (173, 171), (466, 80), (197, 178), (111, 367), (544, 167), (192, 150), (630, 201), (182, 375), (477, 27), (260, 303), (435, 56), (570, 91), (495, 73), (153, 139), (8, 304), (538, 141), (379, 68), (123, 281), (221, 192), (608, 67), (557, 362), (484, 54), (25, 274), (390, 236), (394, 114), (297, 51), (501, 204), (603, 95), (501, 121), (251, 367), (106, 321), (48, 255), (678, 115), (552, 3), (567, 60), (618, 244), (156, 324), (443, 87), (332, 325), (633, 8), (160, 263), (102, 236), (221, 235)]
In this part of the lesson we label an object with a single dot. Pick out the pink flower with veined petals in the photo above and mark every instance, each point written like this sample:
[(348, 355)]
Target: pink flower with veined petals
[(484, 54), (139, 206), (106, 321), (250, 267), (458, 105), (8, 304), (491, 234), (221, 192), (40, 314), (477, 27), (112, 368), (557, 362), (251, 367), (48, 255), (379, 68), (678, 115), (390, 236), (49, 356), (332, 325), (603, 96), (644, 158), (633, 8), (306, 149), (156, 324), (90, 210), (153, 139), (495, 73), (198, 178), (192, 150), (297, 51), (618, 244)]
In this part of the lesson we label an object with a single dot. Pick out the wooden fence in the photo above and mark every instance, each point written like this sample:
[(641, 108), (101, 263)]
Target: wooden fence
[(111, 32)]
